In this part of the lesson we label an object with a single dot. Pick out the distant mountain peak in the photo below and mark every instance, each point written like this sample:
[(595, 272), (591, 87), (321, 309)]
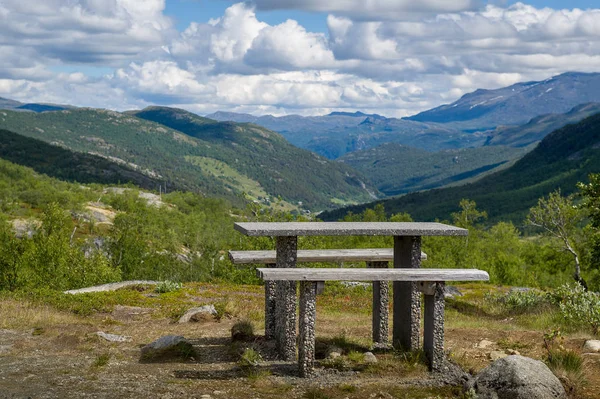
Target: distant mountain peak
[(357, 114), (485, 109)]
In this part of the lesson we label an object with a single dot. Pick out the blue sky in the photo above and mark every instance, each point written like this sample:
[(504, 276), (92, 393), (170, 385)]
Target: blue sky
[(309, 57)]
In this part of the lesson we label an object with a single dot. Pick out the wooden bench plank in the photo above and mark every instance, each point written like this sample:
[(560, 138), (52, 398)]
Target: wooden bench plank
[(346, 274), (319, 255)]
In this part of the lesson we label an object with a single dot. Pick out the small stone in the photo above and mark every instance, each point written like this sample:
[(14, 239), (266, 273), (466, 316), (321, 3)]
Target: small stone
[(484, 343), (167, 347), (369, 357), (495, 355), (113, 337), (205, 396), (202, 313), (334, 352), (591, 346)]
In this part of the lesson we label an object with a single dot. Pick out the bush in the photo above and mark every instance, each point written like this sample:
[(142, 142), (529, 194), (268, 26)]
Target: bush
[(517, 302), (167, 286), (242, 330), (579, 306)]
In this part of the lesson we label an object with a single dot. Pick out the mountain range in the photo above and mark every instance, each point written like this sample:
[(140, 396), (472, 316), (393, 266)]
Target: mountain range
[(239, 157), (561, 160)]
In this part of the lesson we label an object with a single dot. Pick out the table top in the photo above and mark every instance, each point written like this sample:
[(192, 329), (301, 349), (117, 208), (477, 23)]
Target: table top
[(291, 229)]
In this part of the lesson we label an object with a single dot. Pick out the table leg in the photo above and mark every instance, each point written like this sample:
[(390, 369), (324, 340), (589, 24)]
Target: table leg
[(380, 306), (285, 306), (433, 337), (407, 298), (308, 315), (270, 301)]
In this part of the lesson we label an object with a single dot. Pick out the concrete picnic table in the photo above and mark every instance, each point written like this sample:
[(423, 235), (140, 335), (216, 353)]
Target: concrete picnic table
[(407, 254)]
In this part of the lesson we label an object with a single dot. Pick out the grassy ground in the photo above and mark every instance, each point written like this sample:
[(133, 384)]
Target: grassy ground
[(49, 347)]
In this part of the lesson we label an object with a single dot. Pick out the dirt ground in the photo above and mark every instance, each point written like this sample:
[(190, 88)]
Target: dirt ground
[(69, 360)]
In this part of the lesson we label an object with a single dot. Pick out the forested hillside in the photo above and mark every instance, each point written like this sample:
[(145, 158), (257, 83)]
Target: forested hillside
[(210, 160), (69, 165), (562, 159), (396, 169)]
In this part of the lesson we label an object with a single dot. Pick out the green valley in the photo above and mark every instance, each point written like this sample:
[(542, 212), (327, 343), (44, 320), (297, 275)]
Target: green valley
[(563, 158), (160, 151)]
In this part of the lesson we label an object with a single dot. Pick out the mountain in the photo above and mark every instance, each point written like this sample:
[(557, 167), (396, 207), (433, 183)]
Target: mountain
[(217, 159), (5, 103), (397, 169), (563, 158), (516, 104), (537, 128), (266, 156), (67, 165), (338, 133)]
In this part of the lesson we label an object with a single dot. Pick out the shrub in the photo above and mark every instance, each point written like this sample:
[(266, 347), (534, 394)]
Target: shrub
[(517, 302), (242, 330), (167, 286), (250, 358), (579, 306)]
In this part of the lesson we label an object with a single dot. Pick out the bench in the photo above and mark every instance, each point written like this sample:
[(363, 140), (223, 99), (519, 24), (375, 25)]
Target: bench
[(374, 258), (431, 282)]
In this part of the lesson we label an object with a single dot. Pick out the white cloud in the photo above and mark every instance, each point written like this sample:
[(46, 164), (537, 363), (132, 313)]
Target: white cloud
[(394, 57), (93, 31), (289, 46)]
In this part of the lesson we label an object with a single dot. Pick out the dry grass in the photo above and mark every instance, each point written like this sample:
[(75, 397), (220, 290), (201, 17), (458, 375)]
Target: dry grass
[(18, 315)]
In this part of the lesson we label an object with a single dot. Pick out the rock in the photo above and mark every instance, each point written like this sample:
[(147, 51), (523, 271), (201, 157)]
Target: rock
[(169, 346), (514, 352), (205, 396), (334, 352), (484, 343), (202, 313), (495, 355), (451, 292), (591, 346), (113, 337), (517, 377), (370, 358)]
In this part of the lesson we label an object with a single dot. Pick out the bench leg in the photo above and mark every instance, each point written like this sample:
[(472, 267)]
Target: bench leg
[(308, 315), (270, 301), (380, 306), (285, 305), (433, 339), (407, 298)]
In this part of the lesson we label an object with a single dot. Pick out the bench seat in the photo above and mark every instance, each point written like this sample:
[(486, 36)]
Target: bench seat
[(319, 255), (346, 274), (431, 282)]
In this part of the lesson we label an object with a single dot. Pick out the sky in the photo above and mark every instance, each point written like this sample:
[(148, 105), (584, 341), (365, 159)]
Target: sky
[(280, 57)]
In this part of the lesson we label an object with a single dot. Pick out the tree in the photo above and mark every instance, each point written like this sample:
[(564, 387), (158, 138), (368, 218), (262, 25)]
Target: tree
[(469, 215), (558, 217)]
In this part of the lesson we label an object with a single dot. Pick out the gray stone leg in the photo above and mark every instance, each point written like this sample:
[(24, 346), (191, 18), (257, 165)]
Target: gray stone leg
[(270, 301), (308, 315), (434, 327), (285, 306), (380, 306), (407, 299)]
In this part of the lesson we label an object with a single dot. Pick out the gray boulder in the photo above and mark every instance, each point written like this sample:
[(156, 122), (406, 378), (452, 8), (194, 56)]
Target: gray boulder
[(202, 313), (169, 346), (517, 377)]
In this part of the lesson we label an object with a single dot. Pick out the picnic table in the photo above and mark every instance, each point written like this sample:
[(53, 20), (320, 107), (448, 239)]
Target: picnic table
[(406, 255)]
